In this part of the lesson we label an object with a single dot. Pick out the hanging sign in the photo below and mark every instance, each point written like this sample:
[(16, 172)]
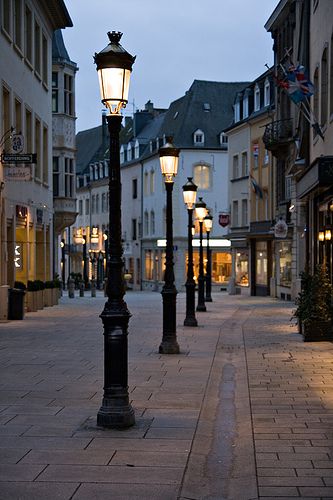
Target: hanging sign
[(17, 143), (19, 158), (224, 219), (281, 229)]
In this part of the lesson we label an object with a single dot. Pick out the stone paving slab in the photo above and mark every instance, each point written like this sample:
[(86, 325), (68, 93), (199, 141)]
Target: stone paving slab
[(244, 412)]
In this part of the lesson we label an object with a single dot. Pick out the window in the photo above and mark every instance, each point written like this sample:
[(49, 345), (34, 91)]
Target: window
[(255, 150), (44, 60), (122, 154), (6, 119), (103, 202), (224, 140), (6, 17), (134, 189), (199, 138), (68, 95), (134, 232), (28, 34), (129, 152), (145, 183), (256, 98), (152, 181), (235, 213), (45, 156), (55, 92), (97, 203), (152, 222), (242, 268), (288, 186), (267, 93), (206, 106), (315, 97), (18, 117), (69, 178), (237, 111), (201, 176), (261, 263), (38, 148), (87, 206), (244, 213), (245, 167), (149, 265), (246, 106), (80, 207), (18, 23), (93, 203), (37, 49), (324, 88), (56, 176), (28, 131), (137, 150), (285, 262), (146, 223), (235, 167)]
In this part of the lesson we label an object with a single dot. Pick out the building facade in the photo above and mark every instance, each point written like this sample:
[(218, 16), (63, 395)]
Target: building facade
[(26, 198)]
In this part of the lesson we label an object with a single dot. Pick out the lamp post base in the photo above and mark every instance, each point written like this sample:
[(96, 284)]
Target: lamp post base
[(169, 347), (116, 418), (208, 299), (169, 344), (201, 308)]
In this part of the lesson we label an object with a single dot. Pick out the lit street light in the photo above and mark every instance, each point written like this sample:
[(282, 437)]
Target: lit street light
[(190, 194), (114, 66), (169, 165), (201, 212)]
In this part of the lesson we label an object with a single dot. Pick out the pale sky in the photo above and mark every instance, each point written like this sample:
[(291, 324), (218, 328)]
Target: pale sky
[(175, 42)]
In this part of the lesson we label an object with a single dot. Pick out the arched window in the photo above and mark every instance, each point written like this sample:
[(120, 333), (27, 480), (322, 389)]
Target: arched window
[(152, 181), (146, 223), (224, 140), (202, 176), (152, 222), (256, 98), (145, 183), (267, 93), (324, 88)]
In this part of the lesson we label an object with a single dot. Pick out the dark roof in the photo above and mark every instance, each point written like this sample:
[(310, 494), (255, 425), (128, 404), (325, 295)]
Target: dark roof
[(187, 114), (57, 12), (59, 51), (93, 144)]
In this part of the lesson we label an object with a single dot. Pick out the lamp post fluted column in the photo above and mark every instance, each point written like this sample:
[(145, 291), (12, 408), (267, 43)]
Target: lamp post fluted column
[(169, 165), (189, 192), (208, 221), (114, 66), (201, 213)]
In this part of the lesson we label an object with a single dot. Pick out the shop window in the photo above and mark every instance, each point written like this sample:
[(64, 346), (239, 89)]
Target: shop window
[(261, 263), (242, 268), (221, 266), (149, 265), (284, 248)]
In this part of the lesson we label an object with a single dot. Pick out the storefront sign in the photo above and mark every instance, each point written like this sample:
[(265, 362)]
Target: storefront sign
[(18, 173), (19, 158), (224, 219), (281, 229), (18, 256)]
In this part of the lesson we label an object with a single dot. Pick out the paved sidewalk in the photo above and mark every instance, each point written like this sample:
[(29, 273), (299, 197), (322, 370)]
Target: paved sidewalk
[(244, 412)]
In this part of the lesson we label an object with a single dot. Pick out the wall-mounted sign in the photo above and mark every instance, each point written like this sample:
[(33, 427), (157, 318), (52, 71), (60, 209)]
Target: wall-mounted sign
[(224, 219), (19, 158), (18, 264), (281, 229), (17, 143), (18, 173)]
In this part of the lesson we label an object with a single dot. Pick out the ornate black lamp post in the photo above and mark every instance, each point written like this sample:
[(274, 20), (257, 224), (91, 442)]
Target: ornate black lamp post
[(63, 274), (169, 166), (114, 66), (208, 221), (190, 194), (200, 212)]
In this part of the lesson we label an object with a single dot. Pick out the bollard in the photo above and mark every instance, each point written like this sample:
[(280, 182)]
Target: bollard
[(71, 288), (81, 286), (93, 287), (105, 284)]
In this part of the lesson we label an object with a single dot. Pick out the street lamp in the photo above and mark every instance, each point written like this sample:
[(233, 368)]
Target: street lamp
[(63, 277), (190, 194), (169, 164), (208, 221), (201, 212), (114, 66)]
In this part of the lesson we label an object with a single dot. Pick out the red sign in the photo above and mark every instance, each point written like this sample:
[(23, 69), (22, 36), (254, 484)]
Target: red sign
[(224, 220)]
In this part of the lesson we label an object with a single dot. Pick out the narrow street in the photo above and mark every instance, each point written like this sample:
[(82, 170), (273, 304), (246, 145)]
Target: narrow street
[(244, 412)]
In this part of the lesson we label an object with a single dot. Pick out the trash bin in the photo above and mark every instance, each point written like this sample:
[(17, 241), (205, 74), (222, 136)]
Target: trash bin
[(15, 303)]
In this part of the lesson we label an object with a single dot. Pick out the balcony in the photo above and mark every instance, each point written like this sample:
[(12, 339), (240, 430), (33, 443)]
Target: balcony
[(64, 213), (278, 136)]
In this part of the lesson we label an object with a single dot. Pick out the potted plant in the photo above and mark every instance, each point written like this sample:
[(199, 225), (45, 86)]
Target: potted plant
[(40, 292), (31, 296), (48, 295), (56, 290), (314, 311)]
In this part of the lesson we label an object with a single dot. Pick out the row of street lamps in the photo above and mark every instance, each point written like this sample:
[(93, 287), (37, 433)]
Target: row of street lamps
[(114, 66)]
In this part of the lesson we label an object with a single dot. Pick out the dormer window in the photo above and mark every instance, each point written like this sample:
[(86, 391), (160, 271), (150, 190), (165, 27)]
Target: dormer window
[(256, 98), (122, 154), (206, 106), (129, 152), (224, 140), (136, 149), (246, 106), (267, 93), (199, 138), (237, 111)]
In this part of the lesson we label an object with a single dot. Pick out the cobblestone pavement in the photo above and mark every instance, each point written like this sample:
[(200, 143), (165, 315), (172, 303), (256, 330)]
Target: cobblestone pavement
[(244, 412)]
